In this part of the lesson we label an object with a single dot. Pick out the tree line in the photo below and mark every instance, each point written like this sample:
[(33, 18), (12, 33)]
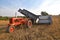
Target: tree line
[(43, 13)]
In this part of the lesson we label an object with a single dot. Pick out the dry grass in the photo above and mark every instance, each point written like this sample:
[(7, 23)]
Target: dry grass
[(3, 22), (37, 32)]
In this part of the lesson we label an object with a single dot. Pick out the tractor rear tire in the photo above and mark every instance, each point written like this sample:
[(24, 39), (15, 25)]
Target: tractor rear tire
[(10, 29), (29, 24)]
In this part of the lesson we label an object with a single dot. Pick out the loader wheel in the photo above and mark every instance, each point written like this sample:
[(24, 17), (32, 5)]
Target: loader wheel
[(10, 29), (29, 24)]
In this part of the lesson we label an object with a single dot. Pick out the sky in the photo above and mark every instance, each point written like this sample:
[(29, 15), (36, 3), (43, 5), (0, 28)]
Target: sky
[(10, 7)]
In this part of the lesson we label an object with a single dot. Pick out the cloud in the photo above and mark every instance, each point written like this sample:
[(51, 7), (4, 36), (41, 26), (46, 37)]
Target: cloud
[(50, 6), (9, 7), (5, 11)]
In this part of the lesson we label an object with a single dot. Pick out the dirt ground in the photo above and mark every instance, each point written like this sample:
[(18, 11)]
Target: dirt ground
[(37, 32)]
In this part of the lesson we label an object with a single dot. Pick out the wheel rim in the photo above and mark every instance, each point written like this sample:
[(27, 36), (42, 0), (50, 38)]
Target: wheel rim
[(29, 24), (11, 29)]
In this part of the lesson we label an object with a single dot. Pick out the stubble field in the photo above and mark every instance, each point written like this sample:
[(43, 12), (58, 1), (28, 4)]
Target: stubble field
[(37, 32)]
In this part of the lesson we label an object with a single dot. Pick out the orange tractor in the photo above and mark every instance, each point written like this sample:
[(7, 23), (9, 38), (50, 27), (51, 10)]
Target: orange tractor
[(17, 22)]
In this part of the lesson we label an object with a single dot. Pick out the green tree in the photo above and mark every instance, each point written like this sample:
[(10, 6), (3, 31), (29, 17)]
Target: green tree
[(0, 16), (44, 13)]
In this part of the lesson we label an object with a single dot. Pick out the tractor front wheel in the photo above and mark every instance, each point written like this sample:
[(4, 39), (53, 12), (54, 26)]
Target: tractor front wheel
[(29, 24), (10, 29)]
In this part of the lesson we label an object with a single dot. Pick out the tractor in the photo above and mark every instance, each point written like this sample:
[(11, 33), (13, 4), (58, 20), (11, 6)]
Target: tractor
[(17, 22)]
